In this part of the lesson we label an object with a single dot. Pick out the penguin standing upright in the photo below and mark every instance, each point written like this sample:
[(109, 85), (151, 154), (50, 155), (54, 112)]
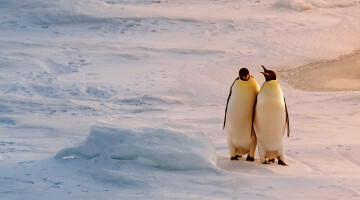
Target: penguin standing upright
[(239, 116), (271, 118)]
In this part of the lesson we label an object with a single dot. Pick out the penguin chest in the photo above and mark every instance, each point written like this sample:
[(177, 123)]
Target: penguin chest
[(239, 116)]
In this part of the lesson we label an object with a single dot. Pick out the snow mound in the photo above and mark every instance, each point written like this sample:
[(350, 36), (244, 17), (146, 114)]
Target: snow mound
[(298, 5), (334, 4), (159, 148)]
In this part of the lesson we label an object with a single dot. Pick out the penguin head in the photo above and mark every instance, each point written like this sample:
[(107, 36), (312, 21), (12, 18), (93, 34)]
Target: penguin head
[(244, 74), (269, 74)]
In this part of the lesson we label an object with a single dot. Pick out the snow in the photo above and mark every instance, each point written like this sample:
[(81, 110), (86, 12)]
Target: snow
[(113, 99), (331, 75), (303, 5), (298, 5), (159, 148)]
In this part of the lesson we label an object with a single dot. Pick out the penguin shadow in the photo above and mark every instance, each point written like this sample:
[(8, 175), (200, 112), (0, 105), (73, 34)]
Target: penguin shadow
[(242, 165)]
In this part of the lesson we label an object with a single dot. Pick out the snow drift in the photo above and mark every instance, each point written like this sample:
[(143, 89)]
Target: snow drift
[(302, 5), (160, 148), (298, 5)]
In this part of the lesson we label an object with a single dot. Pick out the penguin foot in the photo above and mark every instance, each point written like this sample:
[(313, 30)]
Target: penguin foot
[(272, 160), (235, 157), (280, 162), (265, 163), (250, 159)]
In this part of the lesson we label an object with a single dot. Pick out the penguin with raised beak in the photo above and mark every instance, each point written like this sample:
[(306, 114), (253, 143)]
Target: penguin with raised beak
[(270, 119)]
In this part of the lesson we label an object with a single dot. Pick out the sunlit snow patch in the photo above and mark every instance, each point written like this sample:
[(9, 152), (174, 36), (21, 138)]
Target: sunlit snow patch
[(298, 5), (159, 148), (302, 5)]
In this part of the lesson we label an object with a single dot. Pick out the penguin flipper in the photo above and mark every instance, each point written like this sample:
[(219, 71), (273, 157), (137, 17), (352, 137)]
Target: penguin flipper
[(253, 117), (287, 119), (228, 101)]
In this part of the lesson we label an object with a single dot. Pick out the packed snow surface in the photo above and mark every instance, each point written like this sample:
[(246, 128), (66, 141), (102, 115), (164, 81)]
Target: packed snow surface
[(125, 99)]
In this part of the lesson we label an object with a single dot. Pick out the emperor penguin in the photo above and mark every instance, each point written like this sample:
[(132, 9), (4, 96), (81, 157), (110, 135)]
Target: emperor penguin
[(271, 118), (239, 116)]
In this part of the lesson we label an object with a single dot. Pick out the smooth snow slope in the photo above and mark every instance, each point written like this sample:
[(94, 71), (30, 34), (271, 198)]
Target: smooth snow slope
[(339, 74), (124, 99)]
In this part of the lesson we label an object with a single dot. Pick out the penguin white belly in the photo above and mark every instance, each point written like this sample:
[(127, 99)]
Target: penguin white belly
[(239, 122), (270, 122), (269, 131)]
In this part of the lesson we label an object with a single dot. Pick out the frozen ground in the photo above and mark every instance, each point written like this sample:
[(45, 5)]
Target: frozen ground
[(124, 99)]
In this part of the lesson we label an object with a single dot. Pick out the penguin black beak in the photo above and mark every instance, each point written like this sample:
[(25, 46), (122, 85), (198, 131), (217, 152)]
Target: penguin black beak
[(269, 74), (264, 68)]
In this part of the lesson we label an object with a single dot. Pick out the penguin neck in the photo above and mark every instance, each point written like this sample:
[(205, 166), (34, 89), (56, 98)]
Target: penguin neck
[(244, 81), (271, 83), (251, 83), (269, 80)]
